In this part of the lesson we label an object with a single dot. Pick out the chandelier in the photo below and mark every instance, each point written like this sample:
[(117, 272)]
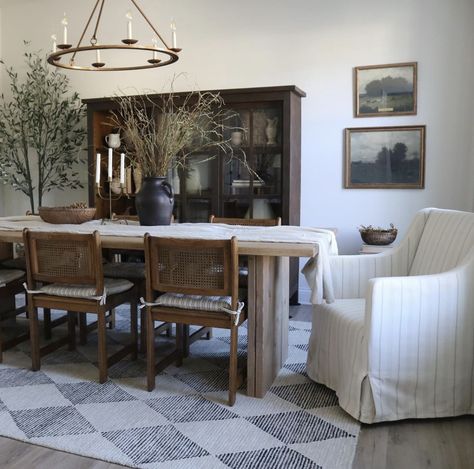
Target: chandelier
[(64, 55)]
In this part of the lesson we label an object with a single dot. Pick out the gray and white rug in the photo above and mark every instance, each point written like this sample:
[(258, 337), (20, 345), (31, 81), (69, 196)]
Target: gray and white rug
[(185, 423)]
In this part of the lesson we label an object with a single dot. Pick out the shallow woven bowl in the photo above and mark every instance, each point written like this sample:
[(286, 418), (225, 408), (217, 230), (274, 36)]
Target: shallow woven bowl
[(378, 238), (66, 215)]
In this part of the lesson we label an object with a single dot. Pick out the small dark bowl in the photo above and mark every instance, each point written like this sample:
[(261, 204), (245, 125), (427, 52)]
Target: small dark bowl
[(378, 238)]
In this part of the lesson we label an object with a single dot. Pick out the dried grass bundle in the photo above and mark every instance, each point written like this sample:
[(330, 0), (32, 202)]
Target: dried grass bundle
[(162, 133)]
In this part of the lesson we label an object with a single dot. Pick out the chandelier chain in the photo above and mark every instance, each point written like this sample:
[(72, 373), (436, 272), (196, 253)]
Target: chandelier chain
[(94, 36), (150, 24)]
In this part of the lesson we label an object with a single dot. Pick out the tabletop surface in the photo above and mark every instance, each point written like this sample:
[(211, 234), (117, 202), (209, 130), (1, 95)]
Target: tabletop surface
[(273, 241)]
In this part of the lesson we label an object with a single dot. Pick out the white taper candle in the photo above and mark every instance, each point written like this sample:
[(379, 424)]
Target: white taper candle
[(64, 22), (97, 169), (110, 164), (129, 25), (122, 168), (173, 35)]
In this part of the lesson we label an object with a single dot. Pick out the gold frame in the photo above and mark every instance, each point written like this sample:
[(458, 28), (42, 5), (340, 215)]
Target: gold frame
[(386, 185), (357, 70)]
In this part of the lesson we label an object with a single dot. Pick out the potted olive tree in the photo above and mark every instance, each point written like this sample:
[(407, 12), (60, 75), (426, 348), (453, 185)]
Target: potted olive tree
[(41, 131)]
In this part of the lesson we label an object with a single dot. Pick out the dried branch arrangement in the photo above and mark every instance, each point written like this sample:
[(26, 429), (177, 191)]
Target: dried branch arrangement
[(162, 133)]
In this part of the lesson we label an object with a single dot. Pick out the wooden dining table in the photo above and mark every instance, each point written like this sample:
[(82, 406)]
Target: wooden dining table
[(268, 292)]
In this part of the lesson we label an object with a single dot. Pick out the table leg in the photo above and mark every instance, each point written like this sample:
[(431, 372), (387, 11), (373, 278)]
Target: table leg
[(268, 312)]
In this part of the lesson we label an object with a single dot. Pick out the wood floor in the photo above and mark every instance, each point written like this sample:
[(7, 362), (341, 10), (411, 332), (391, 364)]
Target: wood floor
[(414, 444)]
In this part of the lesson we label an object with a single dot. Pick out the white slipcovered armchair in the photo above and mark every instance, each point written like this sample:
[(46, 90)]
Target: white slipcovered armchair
[(398, 342)]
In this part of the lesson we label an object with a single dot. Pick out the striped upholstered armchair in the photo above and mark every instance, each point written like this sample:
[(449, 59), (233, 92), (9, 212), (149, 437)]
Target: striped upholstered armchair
[(399, 341)]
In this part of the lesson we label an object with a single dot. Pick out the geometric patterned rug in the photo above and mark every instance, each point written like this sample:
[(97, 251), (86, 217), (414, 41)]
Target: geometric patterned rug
[(185, 422)]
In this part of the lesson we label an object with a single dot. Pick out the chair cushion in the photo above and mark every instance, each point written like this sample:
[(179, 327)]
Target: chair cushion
[(196, 302), (447, 238), (7, 276), (128, 270), (18, 263), (112, 286)]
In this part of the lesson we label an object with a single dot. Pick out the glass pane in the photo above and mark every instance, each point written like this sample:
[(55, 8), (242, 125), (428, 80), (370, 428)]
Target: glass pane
[(267, 127), (268, 173), (198, 176), (237, 126), (197, 210), (237, 174), (237, 208), (266, 208)]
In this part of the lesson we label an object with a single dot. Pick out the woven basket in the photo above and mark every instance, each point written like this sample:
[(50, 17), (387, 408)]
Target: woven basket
[(66, 215), (378, 237)]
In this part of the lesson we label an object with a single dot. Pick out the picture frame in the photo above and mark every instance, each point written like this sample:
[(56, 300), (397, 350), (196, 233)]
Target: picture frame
[(386, 90), (385, 157)]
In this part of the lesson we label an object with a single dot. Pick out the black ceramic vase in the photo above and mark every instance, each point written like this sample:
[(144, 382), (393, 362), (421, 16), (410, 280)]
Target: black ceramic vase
[(154, 202)]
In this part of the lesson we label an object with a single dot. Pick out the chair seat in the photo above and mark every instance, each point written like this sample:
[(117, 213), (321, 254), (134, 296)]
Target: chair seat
[(195, 302), (132, 270), (112, 286), (9, 275), (18, 263)]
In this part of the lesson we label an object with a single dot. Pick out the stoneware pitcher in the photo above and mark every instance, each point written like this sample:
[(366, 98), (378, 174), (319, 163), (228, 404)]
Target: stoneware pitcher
[(154, 202)]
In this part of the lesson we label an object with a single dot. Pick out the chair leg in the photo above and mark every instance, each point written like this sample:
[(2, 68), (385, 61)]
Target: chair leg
[(134, 328), (112, 319), (150, 351), (185, 340), (71, 329), (143, 330), (169, 330), (82, 328), (102, 351), (234, 337), (181, 335), (34, 337), (47, 323)]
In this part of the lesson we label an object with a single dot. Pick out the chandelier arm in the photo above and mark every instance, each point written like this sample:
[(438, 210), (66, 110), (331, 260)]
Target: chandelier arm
[(150, 24), (94, 36), (85, 29)]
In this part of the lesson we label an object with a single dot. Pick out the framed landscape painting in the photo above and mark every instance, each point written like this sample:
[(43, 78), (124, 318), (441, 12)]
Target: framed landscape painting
[(385, 90), (385, 157)]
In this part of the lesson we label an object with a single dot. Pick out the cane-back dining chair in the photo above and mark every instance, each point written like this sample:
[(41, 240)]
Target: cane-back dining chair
[(243, 262), (192, 282), (64, 272)]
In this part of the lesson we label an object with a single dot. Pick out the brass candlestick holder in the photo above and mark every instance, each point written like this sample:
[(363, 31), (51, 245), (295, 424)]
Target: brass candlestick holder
[(108, 195)]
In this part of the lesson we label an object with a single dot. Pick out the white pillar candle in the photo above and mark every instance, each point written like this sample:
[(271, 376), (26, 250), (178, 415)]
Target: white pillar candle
[(110, 163), (129, 24), (173, 35), (122, 168), (97, 169), (97, 55), (155, 45), (64, 22), (54, 38)]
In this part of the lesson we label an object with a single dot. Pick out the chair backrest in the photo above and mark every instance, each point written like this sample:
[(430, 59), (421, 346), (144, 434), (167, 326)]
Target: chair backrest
[(191, 266), (246, 221), (64, 258), (447, 238)]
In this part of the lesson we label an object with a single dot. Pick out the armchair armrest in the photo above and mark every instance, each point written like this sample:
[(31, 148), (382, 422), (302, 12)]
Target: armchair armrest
[(351, 273)]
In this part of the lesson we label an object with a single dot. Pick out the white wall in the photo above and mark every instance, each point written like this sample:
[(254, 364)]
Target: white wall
[(313, 44)]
